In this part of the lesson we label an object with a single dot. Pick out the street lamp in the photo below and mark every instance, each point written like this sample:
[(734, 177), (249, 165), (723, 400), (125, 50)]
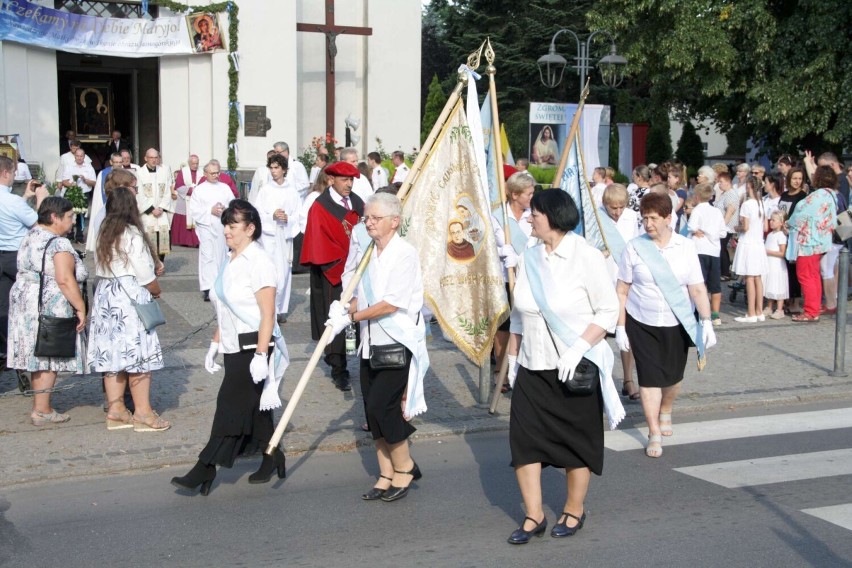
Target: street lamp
[(552, 66)]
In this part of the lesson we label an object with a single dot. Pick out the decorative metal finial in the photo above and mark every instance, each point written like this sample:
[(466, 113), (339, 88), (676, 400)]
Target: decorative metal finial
[(489, 57), (473, 58)]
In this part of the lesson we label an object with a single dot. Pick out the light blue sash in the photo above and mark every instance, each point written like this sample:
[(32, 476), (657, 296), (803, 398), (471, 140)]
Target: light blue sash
[(516, 234), (614, 241), (600, 354), (401, 329), (672, 291), (282, 357)]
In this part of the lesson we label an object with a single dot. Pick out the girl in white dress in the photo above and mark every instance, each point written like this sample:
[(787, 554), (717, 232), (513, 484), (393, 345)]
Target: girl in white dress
[(750, 259), (775, 283)]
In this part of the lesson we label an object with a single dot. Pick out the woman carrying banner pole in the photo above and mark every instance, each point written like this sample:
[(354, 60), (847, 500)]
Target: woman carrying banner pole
[(660, 285)]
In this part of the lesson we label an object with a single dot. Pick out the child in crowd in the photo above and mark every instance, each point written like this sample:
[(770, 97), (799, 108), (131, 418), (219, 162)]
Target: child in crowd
[(707, 227), (750, 257), (775, 284)]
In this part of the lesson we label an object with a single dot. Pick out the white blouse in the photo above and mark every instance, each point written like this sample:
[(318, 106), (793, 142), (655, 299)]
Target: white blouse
[(645, 301), (138, 263), (585, 296), (395, 277), (243, 277)]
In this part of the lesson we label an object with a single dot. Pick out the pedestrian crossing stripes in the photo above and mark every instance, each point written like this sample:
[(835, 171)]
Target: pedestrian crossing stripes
[(840, 515), (734, 428), (777, 469)]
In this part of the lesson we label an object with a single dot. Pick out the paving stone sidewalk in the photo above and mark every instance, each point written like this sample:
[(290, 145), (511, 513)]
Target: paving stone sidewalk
[(776, 362)]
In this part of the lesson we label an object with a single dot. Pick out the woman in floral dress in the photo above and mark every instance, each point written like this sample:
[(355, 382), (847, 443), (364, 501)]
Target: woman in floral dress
[(119, 345), (61, 297)]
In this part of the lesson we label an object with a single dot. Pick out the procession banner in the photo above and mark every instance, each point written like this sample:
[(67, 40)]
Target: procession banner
[(447, 217), (31, 24), (490, 165), (549, 124), (508, 158), (575, 184)]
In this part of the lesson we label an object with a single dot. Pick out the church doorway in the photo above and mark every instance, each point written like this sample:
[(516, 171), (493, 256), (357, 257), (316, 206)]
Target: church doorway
[(98, 94)]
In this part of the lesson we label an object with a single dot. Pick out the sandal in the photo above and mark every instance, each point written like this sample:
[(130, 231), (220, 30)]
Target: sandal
[(119, 421), (150, 423), (654, 449), (45, 418), (666, 424), (625, 392), (805, 318)]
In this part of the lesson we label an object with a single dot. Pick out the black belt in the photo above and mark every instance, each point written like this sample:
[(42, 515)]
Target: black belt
[(8, 252)]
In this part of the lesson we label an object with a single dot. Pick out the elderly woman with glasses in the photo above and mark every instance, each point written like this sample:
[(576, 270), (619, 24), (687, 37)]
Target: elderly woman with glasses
[(394, 361)]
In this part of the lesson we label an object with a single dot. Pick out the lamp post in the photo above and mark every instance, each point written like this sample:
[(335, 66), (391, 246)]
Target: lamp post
[(552, 66)]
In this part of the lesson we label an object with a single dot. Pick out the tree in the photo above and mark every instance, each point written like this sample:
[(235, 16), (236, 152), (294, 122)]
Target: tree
[(659, 142), (435, 101), (690, 148), (779, 68)]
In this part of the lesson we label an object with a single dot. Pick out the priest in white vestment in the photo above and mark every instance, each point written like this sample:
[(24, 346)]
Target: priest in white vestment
[(208, 200), (155, 201), (278, 205), (260, 177), (297, 175)]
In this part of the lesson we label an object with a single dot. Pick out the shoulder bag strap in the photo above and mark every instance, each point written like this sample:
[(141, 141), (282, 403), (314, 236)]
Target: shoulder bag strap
[(41, 274)]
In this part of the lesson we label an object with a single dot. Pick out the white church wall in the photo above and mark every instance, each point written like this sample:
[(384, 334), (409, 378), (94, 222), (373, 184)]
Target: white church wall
[(29, 102)]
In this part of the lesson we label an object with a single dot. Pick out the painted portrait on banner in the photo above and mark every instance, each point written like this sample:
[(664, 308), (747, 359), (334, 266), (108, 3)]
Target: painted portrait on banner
[(544, 151), (206, 32), (92, 118)]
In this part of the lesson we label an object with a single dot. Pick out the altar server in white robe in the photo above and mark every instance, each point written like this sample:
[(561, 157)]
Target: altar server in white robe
[(278, 205), (208, 201)]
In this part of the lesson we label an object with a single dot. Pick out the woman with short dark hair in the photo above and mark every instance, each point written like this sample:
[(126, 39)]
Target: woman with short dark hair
[(552, 424), (660, 284), (244, 299), (46, 247)]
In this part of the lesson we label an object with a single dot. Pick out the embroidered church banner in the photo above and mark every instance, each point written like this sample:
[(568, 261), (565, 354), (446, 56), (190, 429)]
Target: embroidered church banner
[(32, 24), (447, 217)]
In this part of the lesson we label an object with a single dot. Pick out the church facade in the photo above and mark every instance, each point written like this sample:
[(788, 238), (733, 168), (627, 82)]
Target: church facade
[(179, 103)]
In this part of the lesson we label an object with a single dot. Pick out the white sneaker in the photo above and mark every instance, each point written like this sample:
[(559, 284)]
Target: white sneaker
[(761, 317), (746, 319)]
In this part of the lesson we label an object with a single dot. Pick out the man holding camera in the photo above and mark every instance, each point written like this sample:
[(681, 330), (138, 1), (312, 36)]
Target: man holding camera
[(16, 218)]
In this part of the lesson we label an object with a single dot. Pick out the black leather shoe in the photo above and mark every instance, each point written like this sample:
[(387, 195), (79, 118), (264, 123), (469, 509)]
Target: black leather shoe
[(396, 493), (561, 529), (342, 383), (520, 536), (375, 493), (206, 295), (201, 475), (270, 463)]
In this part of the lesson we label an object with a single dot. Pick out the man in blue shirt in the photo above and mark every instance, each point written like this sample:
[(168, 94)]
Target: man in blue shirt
[(16, 218)]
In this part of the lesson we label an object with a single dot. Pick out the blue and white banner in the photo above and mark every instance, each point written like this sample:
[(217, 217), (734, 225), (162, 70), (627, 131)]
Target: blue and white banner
[(31, 24), (575, 184), (490, 159)]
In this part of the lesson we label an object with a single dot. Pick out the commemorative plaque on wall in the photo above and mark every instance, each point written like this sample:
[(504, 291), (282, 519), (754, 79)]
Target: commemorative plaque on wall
[(256, 123)]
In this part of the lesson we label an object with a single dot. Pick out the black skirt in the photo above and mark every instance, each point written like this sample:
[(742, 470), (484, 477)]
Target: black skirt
[(382, 392), (239, 426), (550, 426), (660, 352)]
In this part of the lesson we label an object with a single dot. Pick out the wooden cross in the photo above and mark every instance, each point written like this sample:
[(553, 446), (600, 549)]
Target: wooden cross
[(331, 31)]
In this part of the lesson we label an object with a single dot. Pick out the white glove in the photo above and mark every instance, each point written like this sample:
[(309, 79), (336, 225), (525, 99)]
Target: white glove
[(336, 308), (621, 338), (510, 257), (338, 323), (210, 359), (708, 334), (512, 375), (259, 368), (567, 364)]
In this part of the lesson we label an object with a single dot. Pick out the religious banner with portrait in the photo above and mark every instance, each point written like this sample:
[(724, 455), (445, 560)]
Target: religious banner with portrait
[(447, 217), (92, 113), (32, 24)]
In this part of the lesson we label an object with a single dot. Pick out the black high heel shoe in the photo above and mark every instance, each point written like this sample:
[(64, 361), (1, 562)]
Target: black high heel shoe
[(520, 536), (393, 493), (270, 463), (561, 528), (375, 493), (201, 474)]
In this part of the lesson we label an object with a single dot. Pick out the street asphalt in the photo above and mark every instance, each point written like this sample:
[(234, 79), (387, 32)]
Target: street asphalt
[(754, 365)]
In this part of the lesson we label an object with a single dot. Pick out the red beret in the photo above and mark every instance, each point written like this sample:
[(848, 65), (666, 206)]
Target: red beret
[(342, 169), (508, 171)]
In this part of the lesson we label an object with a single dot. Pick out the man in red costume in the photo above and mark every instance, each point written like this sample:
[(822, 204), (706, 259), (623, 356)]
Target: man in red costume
[(324, 249)]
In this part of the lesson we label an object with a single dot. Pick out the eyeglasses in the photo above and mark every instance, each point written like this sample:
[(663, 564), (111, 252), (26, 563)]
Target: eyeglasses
[(756, 172), (213, 173), (374, 218)]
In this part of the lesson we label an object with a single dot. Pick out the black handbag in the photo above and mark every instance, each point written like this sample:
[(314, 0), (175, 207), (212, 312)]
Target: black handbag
[(56, 337), (582, 382), (393, 356), (248, 341)]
